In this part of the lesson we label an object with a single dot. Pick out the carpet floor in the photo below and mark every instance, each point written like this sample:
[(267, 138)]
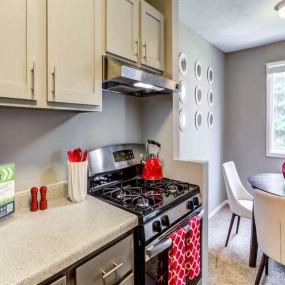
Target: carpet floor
[(229, 266)]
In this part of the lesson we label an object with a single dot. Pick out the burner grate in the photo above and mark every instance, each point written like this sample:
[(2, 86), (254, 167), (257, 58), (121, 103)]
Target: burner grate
[(136, 197)]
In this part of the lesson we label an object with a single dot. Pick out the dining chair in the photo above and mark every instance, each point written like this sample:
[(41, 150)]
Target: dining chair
[(269, 213), (240, 201)]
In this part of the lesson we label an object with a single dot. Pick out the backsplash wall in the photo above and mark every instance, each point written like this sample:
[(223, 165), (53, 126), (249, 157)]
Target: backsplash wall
[(37, 141)]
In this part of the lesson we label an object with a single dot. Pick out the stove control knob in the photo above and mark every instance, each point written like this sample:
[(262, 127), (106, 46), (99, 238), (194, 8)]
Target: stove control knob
[(156, 226), (165, 221), (190, 205), (196, 202)]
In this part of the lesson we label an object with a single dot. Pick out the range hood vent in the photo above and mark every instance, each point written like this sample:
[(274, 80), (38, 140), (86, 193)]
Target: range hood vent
[(124, 78)]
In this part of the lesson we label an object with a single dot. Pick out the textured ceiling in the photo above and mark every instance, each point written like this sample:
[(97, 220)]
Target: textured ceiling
[(233, 25)]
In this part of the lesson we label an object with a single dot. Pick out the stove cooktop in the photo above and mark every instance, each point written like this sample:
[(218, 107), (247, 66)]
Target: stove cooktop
[(143, 197)]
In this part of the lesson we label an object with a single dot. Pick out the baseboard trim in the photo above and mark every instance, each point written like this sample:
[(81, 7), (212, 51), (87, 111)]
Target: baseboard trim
[(217, 209)]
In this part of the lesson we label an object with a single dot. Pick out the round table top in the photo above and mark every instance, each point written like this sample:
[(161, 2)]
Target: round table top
[(273, 183)]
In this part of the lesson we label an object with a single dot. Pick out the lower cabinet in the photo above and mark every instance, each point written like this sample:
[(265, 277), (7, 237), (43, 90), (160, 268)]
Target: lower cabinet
[(114, 265), (110, 266)]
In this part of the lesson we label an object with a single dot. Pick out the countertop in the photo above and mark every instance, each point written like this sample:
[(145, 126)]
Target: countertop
[(36, 245)]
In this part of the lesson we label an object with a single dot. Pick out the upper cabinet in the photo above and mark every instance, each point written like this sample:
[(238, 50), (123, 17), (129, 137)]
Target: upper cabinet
[(152, 36), (18, 49), (135, 31), (122, 28), (72, 65)]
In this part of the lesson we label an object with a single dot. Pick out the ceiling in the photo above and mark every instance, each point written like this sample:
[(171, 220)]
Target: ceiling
[(233, 25)]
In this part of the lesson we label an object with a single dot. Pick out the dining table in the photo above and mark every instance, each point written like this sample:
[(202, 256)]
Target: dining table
[(273, 183)]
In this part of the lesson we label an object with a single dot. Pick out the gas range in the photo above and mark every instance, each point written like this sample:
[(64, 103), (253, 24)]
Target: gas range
[(161, 206), (147, 199)]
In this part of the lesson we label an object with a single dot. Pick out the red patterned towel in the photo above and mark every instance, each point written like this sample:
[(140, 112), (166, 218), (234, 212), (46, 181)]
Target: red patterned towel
[(193, 261), (176, 259)]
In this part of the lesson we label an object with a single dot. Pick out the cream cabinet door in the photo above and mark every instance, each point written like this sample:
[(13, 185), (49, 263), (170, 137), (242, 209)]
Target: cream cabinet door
[(152, 36), (74, 67), (18, 49), (122, 28)]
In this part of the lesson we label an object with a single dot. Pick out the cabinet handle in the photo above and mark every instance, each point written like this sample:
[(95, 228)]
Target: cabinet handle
[(117, 266), (53, 82), (137, 42), (33, 79), (145, 49)]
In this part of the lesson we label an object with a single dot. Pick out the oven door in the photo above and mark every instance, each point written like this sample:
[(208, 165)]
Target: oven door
[(156, 254)]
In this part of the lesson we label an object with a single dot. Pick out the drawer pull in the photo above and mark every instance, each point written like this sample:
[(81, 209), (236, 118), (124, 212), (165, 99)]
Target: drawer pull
[(117, 266)]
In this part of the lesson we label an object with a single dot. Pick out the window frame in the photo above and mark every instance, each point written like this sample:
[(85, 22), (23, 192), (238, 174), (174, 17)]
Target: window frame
[(271, 68)]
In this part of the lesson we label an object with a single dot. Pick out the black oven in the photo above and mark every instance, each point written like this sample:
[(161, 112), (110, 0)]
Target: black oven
[(152, 259)]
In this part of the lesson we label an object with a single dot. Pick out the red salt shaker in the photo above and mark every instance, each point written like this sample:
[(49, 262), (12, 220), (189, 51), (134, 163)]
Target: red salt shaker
[(43, 202), (34, 202)]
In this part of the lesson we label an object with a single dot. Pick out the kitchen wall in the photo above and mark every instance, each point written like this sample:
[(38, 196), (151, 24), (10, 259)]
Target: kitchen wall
[(204, 144), (245, 128), (37, 141)]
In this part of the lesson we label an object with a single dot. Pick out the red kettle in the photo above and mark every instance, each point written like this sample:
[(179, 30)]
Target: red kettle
[(152, 169)]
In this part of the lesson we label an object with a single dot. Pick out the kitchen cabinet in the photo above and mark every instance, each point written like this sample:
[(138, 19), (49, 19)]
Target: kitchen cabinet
[(72, 65), (152, 36), (110, 266), (18, 49), (135, 31), (122, 28)]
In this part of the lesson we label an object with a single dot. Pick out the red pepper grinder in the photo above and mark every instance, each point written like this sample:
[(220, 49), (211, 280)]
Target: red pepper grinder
[(34, 202), (43, 202)]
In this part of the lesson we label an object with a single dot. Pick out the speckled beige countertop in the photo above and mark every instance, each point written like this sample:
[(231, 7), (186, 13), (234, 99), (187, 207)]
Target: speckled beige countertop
[(35, 246)]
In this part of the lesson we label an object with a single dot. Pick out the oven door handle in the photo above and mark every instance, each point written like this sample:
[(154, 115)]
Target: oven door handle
[(154, 250)]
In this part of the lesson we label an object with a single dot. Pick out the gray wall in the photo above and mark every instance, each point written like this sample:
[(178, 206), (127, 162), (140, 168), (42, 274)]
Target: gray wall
[(205, 144), (245, 128), (37, 141)]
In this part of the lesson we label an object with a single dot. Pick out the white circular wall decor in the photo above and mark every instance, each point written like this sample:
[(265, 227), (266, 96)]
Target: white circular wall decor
[(198, 70), (198, 120), (183, 63), (183, 95), (210, 119), (210, 98), (182, 120), (198, 95), (210, 75)]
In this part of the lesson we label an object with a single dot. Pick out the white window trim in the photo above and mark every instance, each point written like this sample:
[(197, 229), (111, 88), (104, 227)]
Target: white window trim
[(271, 68)]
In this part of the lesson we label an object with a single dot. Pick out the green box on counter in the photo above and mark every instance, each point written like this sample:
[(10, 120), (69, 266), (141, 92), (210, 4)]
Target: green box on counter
[(7, 189)]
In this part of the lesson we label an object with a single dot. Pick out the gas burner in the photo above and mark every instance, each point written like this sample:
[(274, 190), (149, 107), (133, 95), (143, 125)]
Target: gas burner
[(121, 194), (142, 202), (171, 188)]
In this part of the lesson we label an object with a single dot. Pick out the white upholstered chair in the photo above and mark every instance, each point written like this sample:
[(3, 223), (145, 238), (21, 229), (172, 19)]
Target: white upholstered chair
[(269, 213), (240, 201)]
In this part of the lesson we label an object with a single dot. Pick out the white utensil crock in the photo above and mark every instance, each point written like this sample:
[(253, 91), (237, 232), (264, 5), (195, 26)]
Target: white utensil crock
[(77, 181)]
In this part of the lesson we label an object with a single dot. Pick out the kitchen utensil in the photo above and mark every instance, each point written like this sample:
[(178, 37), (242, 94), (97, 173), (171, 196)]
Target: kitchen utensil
[(152, 169), (34, 201), (77, 155), (70, 155), (84, 158), (43, 202)]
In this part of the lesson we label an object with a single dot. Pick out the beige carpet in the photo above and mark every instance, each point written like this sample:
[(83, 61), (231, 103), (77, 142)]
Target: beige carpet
[(230, 265)]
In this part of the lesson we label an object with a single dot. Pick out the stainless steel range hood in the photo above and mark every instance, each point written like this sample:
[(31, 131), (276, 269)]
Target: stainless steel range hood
[(121, 77)]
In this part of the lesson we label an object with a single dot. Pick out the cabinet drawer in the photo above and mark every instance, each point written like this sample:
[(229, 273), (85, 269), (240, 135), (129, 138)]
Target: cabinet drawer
[(109, 266)]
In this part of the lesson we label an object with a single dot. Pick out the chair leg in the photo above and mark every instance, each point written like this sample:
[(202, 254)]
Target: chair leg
[(230, 229), (238, 224), (266, 267), (263, 262)]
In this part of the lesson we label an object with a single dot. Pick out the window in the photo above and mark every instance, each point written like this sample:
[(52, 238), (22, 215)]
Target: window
[(275, 77)]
